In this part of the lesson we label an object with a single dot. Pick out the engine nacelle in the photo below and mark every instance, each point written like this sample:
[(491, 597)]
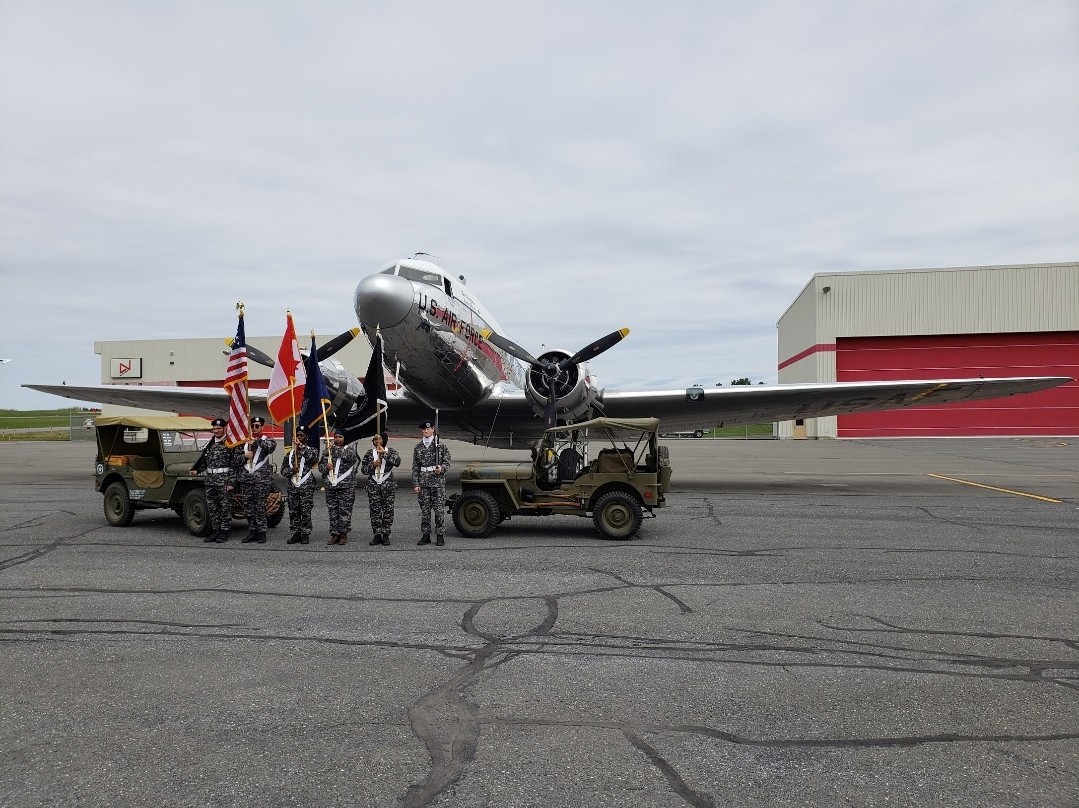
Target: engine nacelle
[(341, 383), (575, 387)]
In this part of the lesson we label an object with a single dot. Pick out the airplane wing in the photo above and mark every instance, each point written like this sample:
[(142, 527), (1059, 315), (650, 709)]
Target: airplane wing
[(712, 406), (209, 402), (508, 421)]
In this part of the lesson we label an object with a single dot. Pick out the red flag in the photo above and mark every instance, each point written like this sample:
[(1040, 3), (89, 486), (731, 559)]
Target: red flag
[(288, 378), (238, 428)]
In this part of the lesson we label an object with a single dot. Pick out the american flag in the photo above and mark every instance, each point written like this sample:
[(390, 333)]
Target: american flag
[(238, 429)]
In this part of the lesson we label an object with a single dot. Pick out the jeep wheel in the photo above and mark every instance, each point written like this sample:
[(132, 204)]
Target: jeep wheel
[(275, 507), (197, 513), (119, 509), (475, 514), (617, 515)]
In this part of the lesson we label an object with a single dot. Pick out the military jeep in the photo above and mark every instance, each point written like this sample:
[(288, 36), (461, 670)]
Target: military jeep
[(145, 461), (618, 488)]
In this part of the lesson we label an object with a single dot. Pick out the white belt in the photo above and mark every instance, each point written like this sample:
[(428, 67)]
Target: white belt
[(428, 468), (217, 471), (298, 481)]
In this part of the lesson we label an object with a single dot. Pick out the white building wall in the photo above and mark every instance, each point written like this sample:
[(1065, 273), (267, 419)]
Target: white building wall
[(171, 361)]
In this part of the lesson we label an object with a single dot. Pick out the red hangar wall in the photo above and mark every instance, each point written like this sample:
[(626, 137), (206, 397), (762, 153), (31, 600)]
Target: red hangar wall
[(961, 322)]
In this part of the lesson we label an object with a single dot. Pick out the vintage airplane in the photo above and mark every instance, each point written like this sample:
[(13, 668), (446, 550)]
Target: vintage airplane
[(448, 353)]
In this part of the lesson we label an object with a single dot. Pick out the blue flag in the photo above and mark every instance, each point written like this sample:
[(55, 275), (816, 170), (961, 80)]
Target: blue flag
[(315, 398)]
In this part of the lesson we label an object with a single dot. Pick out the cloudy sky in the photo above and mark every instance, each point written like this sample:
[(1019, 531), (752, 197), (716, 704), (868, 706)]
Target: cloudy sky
[(681, 168)]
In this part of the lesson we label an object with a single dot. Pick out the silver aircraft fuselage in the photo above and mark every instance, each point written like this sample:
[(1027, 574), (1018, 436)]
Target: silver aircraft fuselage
[(430, 326)]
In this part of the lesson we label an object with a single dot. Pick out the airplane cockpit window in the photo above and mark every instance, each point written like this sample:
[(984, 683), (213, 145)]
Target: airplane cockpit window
[(421, 276), (390, 270)]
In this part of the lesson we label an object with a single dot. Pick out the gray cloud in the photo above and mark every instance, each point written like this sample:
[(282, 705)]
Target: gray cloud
[(683, 168)]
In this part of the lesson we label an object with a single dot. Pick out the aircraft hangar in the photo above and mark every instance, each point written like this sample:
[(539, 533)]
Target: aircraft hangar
[(992, 321)]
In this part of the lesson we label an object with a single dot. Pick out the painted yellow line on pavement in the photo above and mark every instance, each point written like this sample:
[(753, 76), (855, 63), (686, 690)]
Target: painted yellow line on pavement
[(994, 488)]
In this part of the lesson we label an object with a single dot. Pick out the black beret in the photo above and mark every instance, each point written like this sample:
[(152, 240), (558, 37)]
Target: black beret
[(301, 430), (427, 425), (217, 422), (257, 419)]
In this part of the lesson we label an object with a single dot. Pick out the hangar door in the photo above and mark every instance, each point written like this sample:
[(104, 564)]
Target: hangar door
[(1048, 412)]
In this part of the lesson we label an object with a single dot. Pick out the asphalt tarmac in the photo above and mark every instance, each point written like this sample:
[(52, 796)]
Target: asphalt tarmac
[(809, 623)]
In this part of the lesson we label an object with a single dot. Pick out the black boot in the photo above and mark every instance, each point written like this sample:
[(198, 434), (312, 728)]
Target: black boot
[(261, 537), (376, 540), (424, 539), (294, 539), (212, 537), (305, 539), (386, 539), (250, 537), (222, 537), (439, 541)]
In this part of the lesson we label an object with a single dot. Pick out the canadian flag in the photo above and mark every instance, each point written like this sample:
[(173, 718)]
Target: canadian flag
[(287, 381)]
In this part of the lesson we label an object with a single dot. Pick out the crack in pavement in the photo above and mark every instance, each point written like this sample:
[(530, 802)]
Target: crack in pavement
[(697, 799), (787, 743), (448, 724), (893, 628)]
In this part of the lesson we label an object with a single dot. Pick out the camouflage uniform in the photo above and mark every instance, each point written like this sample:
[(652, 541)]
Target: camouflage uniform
[(301, 490), (381, 495), (340, 497), (432, 486), (257, 479), (219, 466)]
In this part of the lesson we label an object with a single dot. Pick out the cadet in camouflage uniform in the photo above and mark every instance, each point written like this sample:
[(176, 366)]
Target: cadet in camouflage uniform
[(299, 471), (378, 464), (219, 465), (256, 476), (430, 461), (340, 482)]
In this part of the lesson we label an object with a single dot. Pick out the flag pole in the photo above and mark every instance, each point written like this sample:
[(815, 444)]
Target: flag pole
[(378, 412), (326, 429), (246, 398)]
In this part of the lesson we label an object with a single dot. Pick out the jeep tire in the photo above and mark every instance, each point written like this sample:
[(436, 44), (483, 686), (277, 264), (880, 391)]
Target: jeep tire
[(197, 513), (617, 515), (475, 514), (119, 509), (275, 506)]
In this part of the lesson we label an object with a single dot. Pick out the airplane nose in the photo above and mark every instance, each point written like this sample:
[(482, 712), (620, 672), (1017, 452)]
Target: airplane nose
[(383, 300)]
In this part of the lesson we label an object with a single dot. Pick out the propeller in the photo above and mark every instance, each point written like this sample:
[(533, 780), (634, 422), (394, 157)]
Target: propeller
[(511, 347), (590, 351), (253, 353), (551, 370), (337, 343), (596, 348), (324, 352)]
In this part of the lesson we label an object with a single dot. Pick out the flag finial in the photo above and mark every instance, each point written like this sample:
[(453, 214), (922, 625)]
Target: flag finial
[(240, 307)]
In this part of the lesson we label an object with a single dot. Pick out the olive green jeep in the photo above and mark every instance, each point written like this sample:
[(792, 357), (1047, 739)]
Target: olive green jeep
[(144, 462), (618, 488)]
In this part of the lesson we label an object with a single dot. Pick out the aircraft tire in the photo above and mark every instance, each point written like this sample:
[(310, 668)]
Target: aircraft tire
[(475, 514), (617, 515)]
